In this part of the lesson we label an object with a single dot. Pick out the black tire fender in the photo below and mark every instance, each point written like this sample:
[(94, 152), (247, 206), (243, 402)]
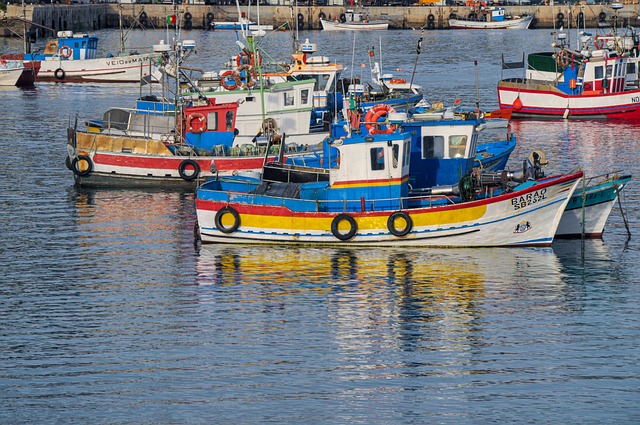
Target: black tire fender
[(343, 18), (335, 227), (182, 169), (431, 17), (76, 168), (218, 220), (188, 16), (391, 223), (59, 74)]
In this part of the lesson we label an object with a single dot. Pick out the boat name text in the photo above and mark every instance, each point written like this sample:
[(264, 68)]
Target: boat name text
[(129, 60), (635, 99), (528, 199)]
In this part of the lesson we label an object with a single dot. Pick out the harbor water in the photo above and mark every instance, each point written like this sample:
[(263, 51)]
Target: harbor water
[(110, 314)]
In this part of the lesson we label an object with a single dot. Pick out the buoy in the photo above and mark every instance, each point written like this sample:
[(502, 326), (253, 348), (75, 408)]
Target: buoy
[(517, 104)]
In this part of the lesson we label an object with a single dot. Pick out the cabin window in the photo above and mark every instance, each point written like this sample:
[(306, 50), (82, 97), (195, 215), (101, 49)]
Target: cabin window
[(407, 152), (229, 120), (76, 45), (212, 121), (432, 147), (598, 72), (288, 99), (304, 96), (322, 81), (396, 154), (457, 146), (609, 71), (84, 44), (631, 68), (377, 159)]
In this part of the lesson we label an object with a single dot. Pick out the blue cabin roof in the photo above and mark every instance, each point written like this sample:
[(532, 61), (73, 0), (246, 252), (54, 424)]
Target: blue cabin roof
[(68, 46)]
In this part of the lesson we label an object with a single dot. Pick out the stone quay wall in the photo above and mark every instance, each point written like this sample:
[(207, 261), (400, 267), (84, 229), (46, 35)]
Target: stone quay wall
[(91, 17)]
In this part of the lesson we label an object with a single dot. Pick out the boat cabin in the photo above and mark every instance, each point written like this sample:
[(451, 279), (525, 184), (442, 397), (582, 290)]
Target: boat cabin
[(601, 73), (71, 46), (442, 151), (210, 128), (381, 178)]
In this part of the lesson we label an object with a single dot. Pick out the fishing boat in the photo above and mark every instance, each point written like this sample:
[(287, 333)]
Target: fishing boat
[(242, 23), (73, 57), (364, 200), (589, 208), (286, 103), (585, 84), (10, 72), (172, 142), (491, 18), (442, 150), (30, 68), (352, 20)]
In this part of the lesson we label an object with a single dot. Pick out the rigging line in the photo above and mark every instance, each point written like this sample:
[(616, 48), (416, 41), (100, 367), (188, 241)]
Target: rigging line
[(624, 218), (415, 65)]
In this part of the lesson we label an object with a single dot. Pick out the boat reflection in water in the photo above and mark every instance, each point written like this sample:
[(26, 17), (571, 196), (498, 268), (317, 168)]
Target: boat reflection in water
[(436, 294)]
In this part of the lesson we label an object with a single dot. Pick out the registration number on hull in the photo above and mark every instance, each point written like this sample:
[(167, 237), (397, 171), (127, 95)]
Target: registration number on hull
[(532, 198)]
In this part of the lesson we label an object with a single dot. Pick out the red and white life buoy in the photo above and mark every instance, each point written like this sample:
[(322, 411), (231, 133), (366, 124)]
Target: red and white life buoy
[(243, 59), (374, 114), (196, 123), (246, 76), (228, 80), (598, 43), (65, 52)]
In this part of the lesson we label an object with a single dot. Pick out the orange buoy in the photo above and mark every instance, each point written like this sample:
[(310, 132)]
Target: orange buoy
[(517, 104)]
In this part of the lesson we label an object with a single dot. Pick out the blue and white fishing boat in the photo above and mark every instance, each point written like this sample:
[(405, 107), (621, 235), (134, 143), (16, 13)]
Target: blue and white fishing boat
[(74, 57), (491, 18), (364, 200)]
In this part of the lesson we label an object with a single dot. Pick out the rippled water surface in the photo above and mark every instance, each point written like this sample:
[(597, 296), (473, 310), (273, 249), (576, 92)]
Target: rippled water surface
[(110, 315)]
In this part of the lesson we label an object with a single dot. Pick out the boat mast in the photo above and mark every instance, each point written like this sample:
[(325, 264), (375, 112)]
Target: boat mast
[(415, 66), (121, 30)]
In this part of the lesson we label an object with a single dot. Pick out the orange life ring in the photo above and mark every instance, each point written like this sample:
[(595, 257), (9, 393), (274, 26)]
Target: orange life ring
[(241, 59), (250, 76), (598, 43), (397, 81), (65, 52), (374, 114), (196, 123), (228, 80)]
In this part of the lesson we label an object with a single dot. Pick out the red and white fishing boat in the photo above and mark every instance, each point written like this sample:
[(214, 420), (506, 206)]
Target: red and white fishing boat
[(10, 72), (152, 146), (30, 69), (590, 84)]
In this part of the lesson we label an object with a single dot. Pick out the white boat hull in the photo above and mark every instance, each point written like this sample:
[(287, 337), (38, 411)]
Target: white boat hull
[(10, 76), (511, 24), (353, 26), (528, 218), (117, 69), (544, 100)]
